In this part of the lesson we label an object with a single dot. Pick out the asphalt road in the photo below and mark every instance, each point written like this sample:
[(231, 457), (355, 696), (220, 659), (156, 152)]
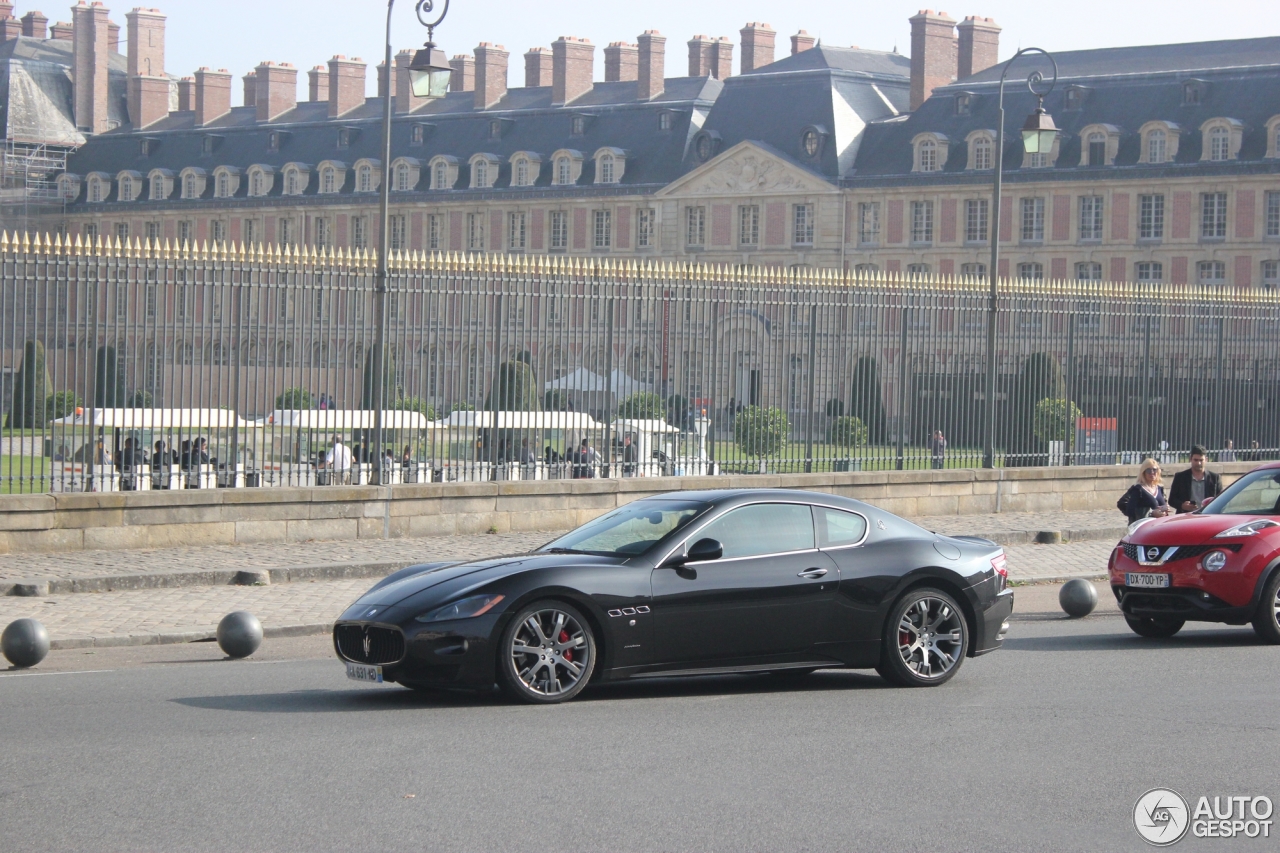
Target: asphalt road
[(1045, 745)]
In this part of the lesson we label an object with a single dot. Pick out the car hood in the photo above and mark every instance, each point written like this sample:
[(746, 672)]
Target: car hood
[(1187, 529), (416, 579)]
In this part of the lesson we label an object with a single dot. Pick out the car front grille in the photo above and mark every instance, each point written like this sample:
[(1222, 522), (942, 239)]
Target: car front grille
[(1183, 552), (383, 646)]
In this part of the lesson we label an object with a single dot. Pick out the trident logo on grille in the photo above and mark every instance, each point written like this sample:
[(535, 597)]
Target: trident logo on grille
[(367, 644)]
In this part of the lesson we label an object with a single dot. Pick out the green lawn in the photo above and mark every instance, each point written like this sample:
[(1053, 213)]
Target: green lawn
[(22, 475)]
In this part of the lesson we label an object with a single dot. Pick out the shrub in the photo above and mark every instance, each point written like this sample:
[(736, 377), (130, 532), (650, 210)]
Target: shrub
[(295, 398), (761, 432), (30, 389), (868, 399), (848, 432), (109, 392), (140, 399), (835, 408), (642, 405), (516, 389), (555, 400), (1055, 420), (416, 404), (61, 404)]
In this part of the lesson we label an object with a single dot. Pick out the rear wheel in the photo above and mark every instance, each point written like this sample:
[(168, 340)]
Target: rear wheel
[(925, 640), (1266, 622), (547, 653), (1150, 626)]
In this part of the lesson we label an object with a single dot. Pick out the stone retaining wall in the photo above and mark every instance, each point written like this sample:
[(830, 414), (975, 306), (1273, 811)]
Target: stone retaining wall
[(118, 520)]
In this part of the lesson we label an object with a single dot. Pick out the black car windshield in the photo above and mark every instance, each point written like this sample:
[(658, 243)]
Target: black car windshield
[(1256, 493), (628, 530)]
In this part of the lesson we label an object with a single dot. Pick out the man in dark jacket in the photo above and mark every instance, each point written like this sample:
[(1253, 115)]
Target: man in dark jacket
[(1191, 487)]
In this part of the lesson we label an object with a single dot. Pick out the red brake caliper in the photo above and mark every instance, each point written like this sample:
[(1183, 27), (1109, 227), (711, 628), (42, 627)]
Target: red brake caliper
[(564, 638)]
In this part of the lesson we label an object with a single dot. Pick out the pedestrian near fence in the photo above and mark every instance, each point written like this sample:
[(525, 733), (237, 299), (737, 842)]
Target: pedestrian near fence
[(1145, 498), (938, 449), (1192, 486)]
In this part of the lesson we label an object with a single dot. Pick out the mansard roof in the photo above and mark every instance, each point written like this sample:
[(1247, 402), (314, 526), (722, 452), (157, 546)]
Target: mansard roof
[(35, 91)]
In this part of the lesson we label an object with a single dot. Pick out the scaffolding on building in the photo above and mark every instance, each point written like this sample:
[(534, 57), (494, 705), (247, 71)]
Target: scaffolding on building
[(29, 192)]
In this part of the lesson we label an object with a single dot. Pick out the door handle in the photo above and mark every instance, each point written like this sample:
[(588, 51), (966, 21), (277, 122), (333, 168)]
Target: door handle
[(812, 574)]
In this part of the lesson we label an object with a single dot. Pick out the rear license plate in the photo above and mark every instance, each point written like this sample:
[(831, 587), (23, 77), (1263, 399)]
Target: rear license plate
[(364, 672), (1143, 579)]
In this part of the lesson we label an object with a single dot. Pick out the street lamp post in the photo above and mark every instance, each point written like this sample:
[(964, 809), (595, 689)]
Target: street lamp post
[(428, 78), (1038, 135)]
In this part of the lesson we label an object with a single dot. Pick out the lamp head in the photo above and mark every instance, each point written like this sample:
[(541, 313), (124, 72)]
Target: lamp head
[(429, 73), (1039, 132)]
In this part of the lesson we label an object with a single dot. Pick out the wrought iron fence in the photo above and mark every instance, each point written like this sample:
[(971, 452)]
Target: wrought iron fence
[(152, 367)]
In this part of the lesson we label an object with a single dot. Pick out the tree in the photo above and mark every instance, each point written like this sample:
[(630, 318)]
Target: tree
[(642, 406), (416, 404), (109, 390), (61, 404), (761, 432), (1040, 378), (835, 408), (555, 400), (295, 398), (30, 390), (516, 389), (848, 432), (868, 399), (1055, 420), (677, 410), (140, 399), (390, 382), (461, 407)]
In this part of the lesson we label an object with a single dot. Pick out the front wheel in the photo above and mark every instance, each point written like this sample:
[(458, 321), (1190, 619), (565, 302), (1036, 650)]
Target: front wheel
[(547, 653), (925, 640), (1266, 622), (1154, 628)]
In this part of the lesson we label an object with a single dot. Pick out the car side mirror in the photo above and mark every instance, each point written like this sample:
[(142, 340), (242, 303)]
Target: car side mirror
[(705, 549)]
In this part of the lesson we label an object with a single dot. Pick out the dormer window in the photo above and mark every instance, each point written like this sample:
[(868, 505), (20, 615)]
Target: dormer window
[(332, 177), (209, 144), (1159, 142), (525, 166), (930, 152), (521, 176), (1193, 92), (226, 182), (1273, 137), (405, 175), (484, 171), (664, 121), (812, 140), (1099, 144), (1219, 143), (147, 146), (223, 187), (364, 179), (606, 170), (578, 125), (566, 167), (444, 172), (610, 163), (160, 180), (440, 178), (189, 187), (964, 104), (192, 183), (99, 187), (276, 140), (1157, 146), (563, 167), (1097, 149), (416, 135), (495, 129), (1074, 98), (981, 150), (68, 186), (126, 188), (296, 178)]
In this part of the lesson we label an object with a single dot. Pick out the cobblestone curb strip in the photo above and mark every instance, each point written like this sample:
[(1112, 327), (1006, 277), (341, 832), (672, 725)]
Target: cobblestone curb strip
[(210, 636)]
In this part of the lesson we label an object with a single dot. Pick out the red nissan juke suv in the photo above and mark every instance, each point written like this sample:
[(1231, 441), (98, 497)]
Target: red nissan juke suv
[(1218, 564)]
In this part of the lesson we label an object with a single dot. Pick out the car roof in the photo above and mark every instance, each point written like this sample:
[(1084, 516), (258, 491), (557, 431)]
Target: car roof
[(740, 496)]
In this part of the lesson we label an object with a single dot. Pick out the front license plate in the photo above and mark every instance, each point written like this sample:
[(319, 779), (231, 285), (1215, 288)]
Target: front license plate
[(364, 672), (1144, 579)]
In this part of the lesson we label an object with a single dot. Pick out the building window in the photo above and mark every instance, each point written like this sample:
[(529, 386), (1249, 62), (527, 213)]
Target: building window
[(695, 234), (973, 270), (416, 135), (185, 230), (1149, 271), (964, 104), (188, 188), (1033, 220), (564, 171), (122, 230), (517, 235), (291, 182), (360, 232), (982, 152), (1270, 274), (329, 180), (559, 229), (398, 232), (126, 188), (1089, 271), (1150, 217), (869, 223), (153, 231), (578, 126), (157, 188), (475, 231), (1097, 149), (255, 184), (217, 231), (804, 225), (603, 229), (435, 231), (284, 231), (664, 121), (921, 222), (249, 230), (520, 176), (1219, 143), (1211, 272), (644, 227), (482, 174), (222, 189), (917, 269), (1038, 160), (1213, 216), (364, 179), (440, 181), (323, 234), (975, 220), (1091, 217), (607, 175), (1156, 146), (749, 225), (95, 190), (1273, 214), (1032, 271), (403, 184), (928, 155)]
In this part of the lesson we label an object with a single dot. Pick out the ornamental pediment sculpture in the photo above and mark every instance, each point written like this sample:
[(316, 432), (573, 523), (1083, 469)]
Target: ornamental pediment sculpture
[(749, 173)]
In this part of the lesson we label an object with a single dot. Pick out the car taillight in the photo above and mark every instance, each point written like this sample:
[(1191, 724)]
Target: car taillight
[(1000, 565)]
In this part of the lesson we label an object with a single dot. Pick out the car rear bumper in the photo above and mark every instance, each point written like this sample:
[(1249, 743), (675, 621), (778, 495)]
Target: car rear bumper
[(992, 624)]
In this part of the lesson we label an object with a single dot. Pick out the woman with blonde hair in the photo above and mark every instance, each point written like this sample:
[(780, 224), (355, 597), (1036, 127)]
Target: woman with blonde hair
[(1145, 498)]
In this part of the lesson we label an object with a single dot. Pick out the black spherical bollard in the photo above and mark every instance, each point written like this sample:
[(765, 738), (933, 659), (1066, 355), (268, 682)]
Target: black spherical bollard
[(239, 634), (25, 643), (1078, 598)]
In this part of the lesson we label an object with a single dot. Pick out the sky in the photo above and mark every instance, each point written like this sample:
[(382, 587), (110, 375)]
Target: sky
[(239, 34)]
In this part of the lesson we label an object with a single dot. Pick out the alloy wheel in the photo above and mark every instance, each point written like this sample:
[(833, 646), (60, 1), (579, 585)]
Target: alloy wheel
[(931, 637), (550, 652)]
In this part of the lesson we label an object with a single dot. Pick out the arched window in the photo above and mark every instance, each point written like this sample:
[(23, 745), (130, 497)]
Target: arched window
[(255, 184), (157, 187), (982, 150), (291, 182), (223, 188), (95, 189), (1219, 143), (126, 188), (482, 173), (564, 170), (189, 186), (1097, 143), (1157, 141), (364, 179), (402, 178), (521, 173), (928, 153), (441, 179), (607, 169), (328, 180)]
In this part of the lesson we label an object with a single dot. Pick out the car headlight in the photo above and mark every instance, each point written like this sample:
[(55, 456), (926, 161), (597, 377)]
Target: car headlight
[(1248, 529), (1214, 560), (1136, 524), (465, 608)]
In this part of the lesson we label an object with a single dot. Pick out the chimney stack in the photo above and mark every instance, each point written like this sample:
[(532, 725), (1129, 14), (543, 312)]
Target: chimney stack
[(933, 54), (463, 78), (757, 46), (491, 74), (318, 84), (700, 56), (251, 89), (186, 94), (277, 90), (213, 95), (650, 78), (113, 36), (802, 41), (537, 68), (979, 47), (572, 69), (147, 86), (382, 81), (90, 53), (35, 25), (10, 27), (621, 62), (346, 85), (63, 31), (405, 100), (722, 58)]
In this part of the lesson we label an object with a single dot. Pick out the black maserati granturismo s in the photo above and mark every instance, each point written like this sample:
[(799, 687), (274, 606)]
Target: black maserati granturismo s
[(690, 583)]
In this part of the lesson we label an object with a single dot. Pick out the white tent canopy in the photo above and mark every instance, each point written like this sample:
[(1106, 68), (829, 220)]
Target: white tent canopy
[(584, 381), (344, 419), (156, 419), (520, 420), (623, 425)]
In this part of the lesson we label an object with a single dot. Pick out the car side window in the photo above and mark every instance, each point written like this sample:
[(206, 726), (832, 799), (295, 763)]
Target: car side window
[(750, 531), (837, 528)]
